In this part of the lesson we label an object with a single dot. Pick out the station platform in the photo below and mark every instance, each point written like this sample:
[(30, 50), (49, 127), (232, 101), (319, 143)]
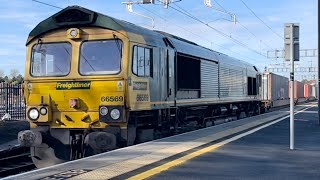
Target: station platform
[(264, 154), (251, 148)]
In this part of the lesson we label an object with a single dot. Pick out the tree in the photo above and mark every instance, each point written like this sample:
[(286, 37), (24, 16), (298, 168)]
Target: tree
[(1, 73), (20, 79), (13, 80), (6, 79), (2, 76), (14, 73)]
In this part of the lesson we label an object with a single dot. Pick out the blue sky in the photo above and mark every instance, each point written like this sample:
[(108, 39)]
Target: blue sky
[(18, 17)]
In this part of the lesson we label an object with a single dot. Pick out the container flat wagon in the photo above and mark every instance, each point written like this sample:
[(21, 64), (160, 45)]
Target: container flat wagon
[(274, 90), (298, 94)]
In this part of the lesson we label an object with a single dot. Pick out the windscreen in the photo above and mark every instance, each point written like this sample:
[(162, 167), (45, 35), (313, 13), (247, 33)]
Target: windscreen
[(51, 59), (100, 57)]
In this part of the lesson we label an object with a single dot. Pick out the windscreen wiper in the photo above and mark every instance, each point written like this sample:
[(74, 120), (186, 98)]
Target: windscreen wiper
[(118, 44), (39, 42)]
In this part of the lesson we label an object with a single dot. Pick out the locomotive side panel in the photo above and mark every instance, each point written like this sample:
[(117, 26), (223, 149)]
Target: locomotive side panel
[(232, 81), (209, 79)]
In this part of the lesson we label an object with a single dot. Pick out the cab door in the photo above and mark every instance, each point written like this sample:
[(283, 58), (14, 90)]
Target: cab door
[(170, 74)]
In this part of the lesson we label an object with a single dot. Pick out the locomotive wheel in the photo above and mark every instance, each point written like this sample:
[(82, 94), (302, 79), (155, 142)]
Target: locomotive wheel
[(45, 155)]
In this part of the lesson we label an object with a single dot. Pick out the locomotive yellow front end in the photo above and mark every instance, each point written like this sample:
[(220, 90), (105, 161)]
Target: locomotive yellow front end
[(75, 88)]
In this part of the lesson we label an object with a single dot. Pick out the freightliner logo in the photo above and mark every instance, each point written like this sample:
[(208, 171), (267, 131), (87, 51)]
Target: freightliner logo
[(73, 85)]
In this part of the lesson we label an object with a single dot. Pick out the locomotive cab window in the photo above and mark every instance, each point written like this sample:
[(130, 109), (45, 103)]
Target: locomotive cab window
[(142, 61), (50, 59), (100, 57)]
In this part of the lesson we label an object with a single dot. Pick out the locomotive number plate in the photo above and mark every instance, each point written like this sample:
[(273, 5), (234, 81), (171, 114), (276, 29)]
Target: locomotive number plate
[(142, 97), (111, 99)]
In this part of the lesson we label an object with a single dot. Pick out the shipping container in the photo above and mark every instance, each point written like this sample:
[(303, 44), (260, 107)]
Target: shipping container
[(307, 91), (274, 90), (313, 91), (298, 91)]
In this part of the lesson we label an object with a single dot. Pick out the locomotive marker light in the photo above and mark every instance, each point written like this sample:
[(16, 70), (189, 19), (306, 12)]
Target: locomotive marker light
[(103, 110), (291, 44), (115, 114), (43, 111)]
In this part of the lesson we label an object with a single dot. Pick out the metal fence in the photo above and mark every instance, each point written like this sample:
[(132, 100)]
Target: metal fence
[(12, 104)]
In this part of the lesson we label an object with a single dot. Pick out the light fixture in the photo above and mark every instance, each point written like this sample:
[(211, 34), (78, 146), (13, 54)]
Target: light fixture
[(103, 110), (33, 114), (115, 114)]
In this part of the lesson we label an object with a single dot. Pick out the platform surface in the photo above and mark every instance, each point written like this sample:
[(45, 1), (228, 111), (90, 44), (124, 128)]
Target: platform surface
[(264, 154), (134, 160)]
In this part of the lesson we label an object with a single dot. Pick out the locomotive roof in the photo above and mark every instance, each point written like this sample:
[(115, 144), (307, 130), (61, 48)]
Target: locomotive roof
[(76, 16)]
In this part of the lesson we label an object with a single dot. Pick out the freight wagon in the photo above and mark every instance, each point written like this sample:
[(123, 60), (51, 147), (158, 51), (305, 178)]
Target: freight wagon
[(274, 90), (298, 94), (307, 91)]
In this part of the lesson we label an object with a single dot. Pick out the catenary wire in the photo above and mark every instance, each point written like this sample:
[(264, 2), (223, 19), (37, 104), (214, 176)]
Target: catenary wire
[(47, 4), (182, 11), (191, 32), (261, 19), (242, 25)]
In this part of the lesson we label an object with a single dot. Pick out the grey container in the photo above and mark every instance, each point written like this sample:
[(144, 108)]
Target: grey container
[(274, 87)]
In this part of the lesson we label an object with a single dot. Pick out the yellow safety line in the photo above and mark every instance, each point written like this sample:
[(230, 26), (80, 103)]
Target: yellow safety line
[(176, 162)]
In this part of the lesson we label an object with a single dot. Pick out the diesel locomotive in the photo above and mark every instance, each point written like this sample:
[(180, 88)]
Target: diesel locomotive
[(94, 83)]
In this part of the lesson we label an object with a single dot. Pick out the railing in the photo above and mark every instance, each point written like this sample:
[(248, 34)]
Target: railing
[(12, 103)]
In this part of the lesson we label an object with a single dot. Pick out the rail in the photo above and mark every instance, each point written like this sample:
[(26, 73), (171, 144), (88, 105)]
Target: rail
[(15, 160)]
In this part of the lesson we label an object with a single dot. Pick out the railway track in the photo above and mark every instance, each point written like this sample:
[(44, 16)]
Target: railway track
[(15, 160)]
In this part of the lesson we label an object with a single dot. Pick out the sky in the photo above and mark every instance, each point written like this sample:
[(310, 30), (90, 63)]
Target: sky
[(248, 39)]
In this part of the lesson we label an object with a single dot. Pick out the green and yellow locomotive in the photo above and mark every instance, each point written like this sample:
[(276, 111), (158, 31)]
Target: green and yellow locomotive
[(94, 83)]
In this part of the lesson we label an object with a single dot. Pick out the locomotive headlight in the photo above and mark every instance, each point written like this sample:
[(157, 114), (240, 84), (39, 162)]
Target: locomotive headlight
[(33, 114), (73, 33), (103, 111), (43, 111), (115, 114)]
